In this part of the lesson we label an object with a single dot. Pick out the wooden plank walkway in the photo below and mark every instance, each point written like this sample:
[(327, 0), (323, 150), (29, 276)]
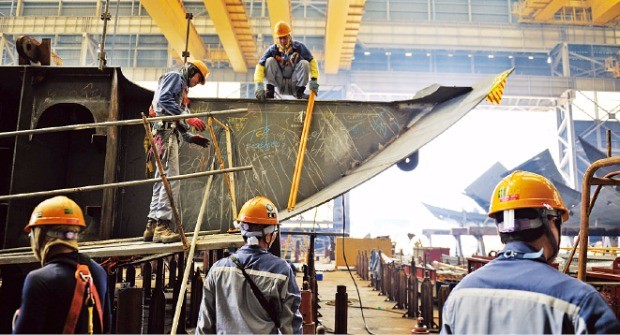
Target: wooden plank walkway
[(129, 247)]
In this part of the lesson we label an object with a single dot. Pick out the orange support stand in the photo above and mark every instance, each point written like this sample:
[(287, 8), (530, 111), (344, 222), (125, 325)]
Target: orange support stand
[(292, 200)]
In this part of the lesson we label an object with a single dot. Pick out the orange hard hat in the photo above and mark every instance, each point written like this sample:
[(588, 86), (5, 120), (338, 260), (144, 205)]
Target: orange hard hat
[(282, 29), (58, 210), (202, 68), (259, 210), (522, 189)]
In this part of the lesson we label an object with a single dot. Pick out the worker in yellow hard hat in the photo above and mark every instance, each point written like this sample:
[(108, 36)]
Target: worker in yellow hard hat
[(252, 291), (170, 98), (69, 294), (287, 65), (519, 291)]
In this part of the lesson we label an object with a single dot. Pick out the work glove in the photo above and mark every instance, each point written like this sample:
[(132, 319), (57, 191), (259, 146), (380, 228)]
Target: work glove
[(260, 92), (197, 123), (196, 139), (314, 86)]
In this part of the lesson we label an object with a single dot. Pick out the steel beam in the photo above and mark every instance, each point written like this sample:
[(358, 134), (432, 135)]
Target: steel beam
[(604, 11), (341, 33), (549, 10), (169, 16), (334, 34), (233, 28)]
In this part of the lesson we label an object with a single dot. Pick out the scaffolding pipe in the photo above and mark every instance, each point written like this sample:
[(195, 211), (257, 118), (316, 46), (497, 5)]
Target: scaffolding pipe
[(218, 154), (119, 123), (569, 260), (105, 17), (584, 233), (119, 184), (164, 180), (190, 255)]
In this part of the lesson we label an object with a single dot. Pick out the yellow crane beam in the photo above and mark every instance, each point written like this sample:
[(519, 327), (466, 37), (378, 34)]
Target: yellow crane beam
[(548, 12), (169, 15), (233, 28), (342, 27), (354, 20), (578, 12), (604, 11), (279, 10)]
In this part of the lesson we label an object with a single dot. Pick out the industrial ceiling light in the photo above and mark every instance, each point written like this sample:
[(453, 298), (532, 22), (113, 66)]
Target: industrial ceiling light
[(366, 53), (491, 56), (530, 57), (408, 54), (388, 53), (549, 60), (509, 56), (428, 54)]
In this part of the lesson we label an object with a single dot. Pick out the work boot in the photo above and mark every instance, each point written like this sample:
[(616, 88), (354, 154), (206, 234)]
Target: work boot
[(299, 92), (150, 230), (164, 233), (270, 92)]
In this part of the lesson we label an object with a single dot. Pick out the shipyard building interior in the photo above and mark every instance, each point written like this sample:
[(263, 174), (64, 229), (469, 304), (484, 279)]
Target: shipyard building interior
[(439, 102)]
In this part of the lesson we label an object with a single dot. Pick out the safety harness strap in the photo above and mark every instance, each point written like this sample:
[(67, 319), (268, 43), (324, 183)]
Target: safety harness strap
[(98, 304), (76, 305), (259, 295), (83, 284)]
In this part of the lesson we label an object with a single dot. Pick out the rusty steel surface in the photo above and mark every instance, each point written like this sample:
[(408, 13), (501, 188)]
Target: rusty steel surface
[(586, 207), (349, 142)]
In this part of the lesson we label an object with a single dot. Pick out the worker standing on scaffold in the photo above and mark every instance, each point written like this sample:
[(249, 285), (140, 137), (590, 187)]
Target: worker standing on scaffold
[(170, 98)]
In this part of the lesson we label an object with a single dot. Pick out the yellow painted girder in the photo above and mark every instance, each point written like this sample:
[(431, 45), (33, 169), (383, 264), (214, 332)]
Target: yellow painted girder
[(354, 20), (604, 11), (169, 15), (556, 11), (341, 33), (233, 28), (548, 12)]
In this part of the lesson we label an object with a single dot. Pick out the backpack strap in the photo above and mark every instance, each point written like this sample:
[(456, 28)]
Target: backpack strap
[(257, 292), (84, 285)]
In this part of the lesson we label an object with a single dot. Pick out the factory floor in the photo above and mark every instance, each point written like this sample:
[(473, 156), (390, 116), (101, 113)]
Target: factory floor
[(380, 317)]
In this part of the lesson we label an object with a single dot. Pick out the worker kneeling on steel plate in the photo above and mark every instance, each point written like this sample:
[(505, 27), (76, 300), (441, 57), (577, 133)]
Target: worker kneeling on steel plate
[(252, 291), (69, 294), (287, 65), (519, 292)]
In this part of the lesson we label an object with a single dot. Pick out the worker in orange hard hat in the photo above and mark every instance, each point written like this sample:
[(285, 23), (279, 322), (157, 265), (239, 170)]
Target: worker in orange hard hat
[(519, 291), (287, 65), (69, 294), (170, 98), (252, 291)]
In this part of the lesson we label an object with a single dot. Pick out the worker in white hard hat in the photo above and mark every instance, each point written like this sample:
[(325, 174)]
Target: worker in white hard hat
[(519, 292), (252, 291)]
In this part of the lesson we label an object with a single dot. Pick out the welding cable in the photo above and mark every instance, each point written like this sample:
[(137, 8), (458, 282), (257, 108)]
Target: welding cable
[(378, 308), (344, 220)]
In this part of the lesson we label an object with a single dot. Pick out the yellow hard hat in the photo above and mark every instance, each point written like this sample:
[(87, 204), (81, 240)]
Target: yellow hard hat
[(281, 29), (202, 67), (58, 210), (259, 210), (522, 189)]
